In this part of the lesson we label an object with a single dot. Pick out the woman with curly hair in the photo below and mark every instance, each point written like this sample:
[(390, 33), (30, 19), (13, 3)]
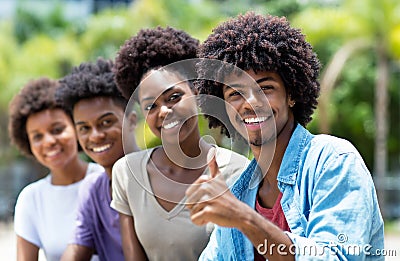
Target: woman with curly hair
[(45, 210), (315, 196), (98, 108), (149, 186)]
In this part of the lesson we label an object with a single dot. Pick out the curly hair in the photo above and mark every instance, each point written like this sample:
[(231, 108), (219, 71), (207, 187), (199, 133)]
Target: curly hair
[(150, 49), (262, 43), (36, 96), (89, 80)]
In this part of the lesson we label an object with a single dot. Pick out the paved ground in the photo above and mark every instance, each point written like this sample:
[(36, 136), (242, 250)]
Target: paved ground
[(7, 244), (392, 243)]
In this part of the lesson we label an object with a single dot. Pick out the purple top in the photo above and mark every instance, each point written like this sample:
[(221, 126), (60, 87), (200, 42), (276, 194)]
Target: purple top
[(97, 224)]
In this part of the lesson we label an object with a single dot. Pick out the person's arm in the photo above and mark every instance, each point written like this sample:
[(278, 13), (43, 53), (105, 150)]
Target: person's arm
[(26, 251), (25, 224), (344, 221), (82, 247), (132, 248), (76, 252), (342, 214), (218, 205)]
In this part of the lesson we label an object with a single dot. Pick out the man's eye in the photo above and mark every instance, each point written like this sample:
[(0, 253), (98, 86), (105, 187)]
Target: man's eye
[(267, 87), (234, 93), (83, 129)]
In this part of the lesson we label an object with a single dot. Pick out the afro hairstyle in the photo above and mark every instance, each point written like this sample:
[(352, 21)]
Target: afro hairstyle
[(36, 96), (261, 43), (151, 49), (89, 80)]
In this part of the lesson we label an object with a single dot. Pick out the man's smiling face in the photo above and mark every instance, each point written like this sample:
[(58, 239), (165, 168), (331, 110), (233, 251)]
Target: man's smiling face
[(259, 111), (98, 122)]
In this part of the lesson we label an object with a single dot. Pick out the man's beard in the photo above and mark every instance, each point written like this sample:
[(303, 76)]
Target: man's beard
[(260, 140), (257, 142)]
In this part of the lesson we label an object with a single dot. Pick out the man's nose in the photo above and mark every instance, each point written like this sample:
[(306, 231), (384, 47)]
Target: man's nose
[(256, 99), (96, 134)]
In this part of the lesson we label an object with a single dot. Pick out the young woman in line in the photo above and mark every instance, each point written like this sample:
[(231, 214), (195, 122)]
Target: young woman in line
[(45, 210), (149, 186)]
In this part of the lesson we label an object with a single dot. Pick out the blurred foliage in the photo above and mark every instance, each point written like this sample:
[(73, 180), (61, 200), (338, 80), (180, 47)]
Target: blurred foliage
[(279, 8), (42, 41), (394, 41), (394, 119), (351, 108), (28, 23), (8, 50)]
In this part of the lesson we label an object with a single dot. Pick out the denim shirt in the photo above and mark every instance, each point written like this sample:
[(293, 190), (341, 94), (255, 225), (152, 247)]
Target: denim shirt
[(329, 202)]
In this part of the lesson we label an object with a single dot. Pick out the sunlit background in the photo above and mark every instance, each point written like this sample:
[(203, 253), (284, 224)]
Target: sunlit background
[(357, 41)]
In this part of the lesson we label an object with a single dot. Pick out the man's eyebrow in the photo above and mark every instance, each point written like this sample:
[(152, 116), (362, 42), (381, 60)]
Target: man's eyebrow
[(268, 78), (235, 86), (241, 85), (101, 117)]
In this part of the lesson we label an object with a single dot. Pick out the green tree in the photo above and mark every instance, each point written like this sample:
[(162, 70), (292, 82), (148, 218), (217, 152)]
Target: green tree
[(31, 19), (360, 27)]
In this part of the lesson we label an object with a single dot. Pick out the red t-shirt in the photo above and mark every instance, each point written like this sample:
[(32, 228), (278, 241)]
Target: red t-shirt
[(275, 215)]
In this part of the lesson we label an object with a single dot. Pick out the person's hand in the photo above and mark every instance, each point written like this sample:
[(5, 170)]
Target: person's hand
[(209, 198)]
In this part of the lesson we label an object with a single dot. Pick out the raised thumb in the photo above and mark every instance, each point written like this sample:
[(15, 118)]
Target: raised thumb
[(212, 162)]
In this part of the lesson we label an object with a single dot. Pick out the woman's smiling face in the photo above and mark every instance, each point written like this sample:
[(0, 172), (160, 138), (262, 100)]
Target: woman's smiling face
[(169, 106), (52, 138)]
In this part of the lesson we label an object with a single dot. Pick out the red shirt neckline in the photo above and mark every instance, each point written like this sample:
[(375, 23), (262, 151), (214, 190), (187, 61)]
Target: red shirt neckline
[(275, 215)]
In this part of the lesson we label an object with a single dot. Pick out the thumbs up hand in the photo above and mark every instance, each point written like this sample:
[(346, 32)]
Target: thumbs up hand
[(209, 198)]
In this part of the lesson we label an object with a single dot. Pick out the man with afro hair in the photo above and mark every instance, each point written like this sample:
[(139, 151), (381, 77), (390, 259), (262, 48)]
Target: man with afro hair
[(315, 198), (97, 106)]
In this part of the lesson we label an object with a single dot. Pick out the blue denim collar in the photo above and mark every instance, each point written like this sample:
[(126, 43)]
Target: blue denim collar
[(247, 178), (287, 172), (289, 168)]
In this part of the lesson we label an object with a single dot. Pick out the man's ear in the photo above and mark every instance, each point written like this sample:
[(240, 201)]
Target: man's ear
[(128, 133), (291, 102), (193, 88)]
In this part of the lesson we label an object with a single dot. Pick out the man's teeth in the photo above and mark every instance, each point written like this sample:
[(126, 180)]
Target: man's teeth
[(101, 148), (170, 125), (254, 120)]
